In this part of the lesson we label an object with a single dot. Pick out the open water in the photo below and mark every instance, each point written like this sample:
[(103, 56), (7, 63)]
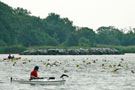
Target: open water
[(86, 72)]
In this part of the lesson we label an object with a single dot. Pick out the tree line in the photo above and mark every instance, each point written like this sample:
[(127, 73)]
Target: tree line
[(19, 27)]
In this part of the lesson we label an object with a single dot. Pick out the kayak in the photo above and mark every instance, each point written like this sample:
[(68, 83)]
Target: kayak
[(40, 81), (12, 58)]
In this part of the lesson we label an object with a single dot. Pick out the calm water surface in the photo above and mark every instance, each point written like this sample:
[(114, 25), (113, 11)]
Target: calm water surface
[(86, 72)]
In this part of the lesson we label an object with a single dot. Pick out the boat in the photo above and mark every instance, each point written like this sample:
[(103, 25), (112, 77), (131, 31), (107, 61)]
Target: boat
[(44, 81), (40, 81), (17, 58)]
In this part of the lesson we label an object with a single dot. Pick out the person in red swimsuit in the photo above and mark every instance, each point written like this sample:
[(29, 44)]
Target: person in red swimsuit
[(34, 74)]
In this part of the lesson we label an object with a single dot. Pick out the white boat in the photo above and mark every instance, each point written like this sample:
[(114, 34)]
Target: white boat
[(40, 81), (49, 81)]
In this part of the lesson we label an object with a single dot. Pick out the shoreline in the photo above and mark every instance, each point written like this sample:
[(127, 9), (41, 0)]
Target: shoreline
[(81, 51)]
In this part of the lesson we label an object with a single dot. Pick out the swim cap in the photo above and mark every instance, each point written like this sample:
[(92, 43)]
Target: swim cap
[(36, 67)]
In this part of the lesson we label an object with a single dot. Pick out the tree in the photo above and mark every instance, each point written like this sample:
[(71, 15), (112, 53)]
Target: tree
[(2, 43), (72, 40), (61, 26), (88, 34), (21, 11), (109, 35), (129, 38), (84, 42)]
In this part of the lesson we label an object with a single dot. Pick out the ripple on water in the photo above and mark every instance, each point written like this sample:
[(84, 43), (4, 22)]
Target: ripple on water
[(84, 77)]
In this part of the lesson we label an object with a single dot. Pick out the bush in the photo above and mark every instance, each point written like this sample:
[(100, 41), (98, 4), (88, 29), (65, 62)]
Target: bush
[(12, 49)]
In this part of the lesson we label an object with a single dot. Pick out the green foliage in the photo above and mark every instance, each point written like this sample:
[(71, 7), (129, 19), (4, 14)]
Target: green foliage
[(128, 49), (88, 35), (72, 40), (109, 35), (84, 42), (21, 11), (18, 27), (129, 38), (12, 49), (2, 43), (62, 27)]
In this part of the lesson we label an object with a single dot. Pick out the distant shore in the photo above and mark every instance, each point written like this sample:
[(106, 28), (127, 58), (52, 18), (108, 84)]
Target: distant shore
[(81, 51), (59, 50)]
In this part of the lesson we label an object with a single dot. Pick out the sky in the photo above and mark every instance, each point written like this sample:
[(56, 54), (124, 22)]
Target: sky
[(83, 13)]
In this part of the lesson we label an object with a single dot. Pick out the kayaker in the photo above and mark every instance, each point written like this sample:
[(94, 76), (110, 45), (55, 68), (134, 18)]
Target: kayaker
[(9, 56), (12, 57), (34, 74)]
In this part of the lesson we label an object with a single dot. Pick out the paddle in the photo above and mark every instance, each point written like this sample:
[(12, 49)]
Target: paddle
[(49, 78)]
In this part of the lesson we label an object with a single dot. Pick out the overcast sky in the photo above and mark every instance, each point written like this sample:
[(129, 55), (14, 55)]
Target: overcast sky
[(83, 13)]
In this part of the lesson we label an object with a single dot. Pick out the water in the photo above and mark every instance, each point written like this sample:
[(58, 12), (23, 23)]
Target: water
[(87, 76)]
